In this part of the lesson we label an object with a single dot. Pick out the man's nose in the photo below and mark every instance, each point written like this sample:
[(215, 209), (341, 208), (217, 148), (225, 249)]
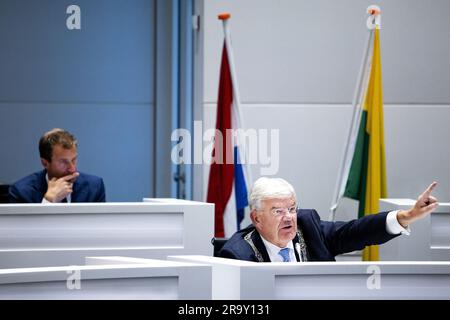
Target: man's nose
[(72, 168)]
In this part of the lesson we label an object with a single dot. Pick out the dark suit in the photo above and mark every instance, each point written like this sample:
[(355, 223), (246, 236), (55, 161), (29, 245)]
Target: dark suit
[(31, 189), (324, 240)]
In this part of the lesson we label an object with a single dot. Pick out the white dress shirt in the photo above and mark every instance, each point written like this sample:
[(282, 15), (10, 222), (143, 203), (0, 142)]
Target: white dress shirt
[(273, 250)]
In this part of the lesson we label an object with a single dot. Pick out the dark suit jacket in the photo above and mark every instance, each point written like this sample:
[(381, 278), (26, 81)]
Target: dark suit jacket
[(31, 189), (324, 240)]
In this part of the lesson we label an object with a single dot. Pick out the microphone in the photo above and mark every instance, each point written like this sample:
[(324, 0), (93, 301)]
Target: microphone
[(297, 247)]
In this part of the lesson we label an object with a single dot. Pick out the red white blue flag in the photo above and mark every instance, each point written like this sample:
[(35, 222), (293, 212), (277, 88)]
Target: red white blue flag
[(227, 187)]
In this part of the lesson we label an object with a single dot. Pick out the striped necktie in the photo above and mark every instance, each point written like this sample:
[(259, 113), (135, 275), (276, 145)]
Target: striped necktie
[(285, 254)]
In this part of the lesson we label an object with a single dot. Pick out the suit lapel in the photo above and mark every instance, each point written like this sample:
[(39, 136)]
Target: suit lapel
[(78, 194), (43, 186), (259, 244)]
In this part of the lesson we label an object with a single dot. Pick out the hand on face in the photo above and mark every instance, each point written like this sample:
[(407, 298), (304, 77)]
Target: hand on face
[(61, 171), (60, 188)]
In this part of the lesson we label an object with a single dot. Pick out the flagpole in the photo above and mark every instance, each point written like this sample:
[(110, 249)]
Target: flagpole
[(373, 19), (237, 97)]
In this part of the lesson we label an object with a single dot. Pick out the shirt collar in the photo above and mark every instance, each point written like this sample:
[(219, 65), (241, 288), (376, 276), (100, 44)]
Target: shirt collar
[(273, 250)]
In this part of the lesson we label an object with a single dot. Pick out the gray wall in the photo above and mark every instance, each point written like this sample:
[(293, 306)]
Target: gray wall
[(97, 82), (297, 63)]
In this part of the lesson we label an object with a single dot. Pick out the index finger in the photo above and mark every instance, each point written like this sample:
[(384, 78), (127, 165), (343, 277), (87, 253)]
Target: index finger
[(70, 176), (430, 188)]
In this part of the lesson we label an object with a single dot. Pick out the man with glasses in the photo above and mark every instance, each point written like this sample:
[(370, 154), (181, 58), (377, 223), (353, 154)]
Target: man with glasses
[(59, 181), (281, 232)]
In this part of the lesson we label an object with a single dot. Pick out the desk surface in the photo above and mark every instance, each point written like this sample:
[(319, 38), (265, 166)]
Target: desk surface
[(234, 279)]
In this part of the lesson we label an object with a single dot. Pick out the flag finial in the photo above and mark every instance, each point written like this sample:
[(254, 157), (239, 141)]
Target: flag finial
[(224, 16), (374, 20), (373, 10)]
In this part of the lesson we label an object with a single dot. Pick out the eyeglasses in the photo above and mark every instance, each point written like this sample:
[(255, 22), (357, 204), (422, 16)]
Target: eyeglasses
[(278, 212)]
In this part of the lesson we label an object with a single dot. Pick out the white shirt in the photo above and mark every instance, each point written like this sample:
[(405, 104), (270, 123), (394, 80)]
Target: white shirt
[(392, 227), (69, 198), (273, 250)]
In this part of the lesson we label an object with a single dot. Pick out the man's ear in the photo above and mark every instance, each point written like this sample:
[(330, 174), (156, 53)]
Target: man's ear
[(45, 163), (255, 217)]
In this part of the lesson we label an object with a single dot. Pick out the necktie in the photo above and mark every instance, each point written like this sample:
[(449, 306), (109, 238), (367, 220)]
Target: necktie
[(285, 254)]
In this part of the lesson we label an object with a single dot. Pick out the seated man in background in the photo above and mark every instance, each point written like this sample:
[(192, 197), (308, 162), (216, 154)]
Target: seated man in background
[(282, 232), (59, 181)]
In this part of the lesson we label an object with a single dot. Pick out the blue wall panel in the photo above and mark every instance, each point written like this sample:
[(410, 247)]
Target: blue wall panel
[(110, 59), (97, 82)]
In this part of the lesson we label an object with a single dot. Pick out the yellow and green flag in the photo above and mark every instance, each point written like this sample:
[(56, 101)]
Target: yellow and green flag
[(367, 176)]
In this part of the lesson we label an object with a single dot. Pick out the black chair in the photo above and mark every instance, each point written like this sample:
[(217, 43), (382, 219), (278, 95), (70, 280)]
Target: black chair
[(218, 244), (4, 190)]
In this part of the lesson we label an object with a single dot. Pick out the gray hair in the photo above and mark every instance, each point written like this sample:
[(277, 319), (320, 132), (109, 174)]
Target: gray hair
[(270, 188)]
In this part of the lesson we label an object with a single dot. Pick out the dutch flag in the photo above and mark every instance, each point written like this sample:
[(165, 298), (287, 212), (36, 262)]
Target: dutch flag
[(227, 187)]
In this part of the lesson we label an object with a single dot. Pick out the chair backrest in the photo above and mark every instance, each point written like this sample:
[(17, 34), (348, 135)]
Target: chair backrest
[(4, 190), (218, 244)]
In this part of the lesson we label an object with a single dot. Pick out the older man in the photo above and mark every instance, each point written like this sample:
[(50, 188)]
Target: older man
[(282, 232)]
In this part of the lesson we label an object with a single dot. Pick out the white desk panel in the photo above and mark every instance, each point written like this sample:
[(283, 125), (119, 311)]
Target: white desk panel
[(234, 279), (156, 279), (429, 239), (36, 235)]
